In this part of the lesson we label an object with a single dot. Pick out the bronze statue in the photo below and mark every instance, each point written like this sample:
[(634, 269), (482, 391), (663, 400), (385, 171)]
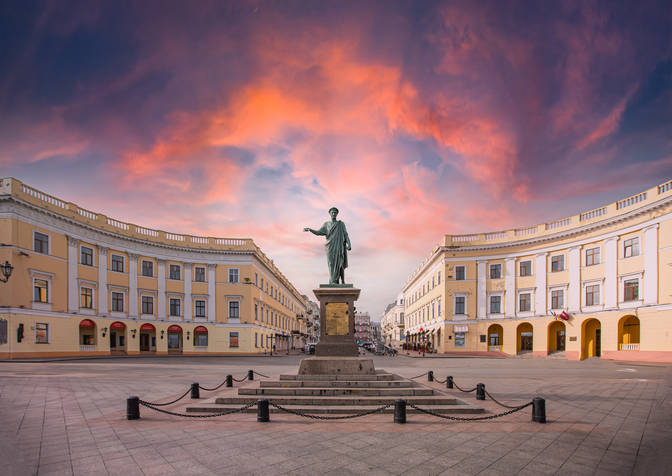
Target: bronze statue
[(338, 245)]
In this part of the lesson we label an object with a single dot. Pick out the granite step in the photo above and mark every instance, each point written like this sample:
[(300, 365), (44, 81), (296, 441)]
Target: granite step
[(378, 377), (339, 383), (333, 409), (334, 392), (337, 400)]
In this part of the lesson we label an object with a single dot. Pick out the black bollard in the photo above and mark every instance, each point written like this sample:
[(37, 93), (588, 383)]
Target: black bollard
[(430, 376), (480, 391), (133, 408), (229, 380), (250, 375), (400, 411), (449, 381), (539, 410), (263, 415), (195, 391)]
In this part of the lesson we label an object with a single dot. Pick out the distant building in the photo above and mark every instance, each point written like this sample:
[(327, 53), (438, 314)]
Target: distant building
[(312, 320), (376, 335), (392, 323), (363, 327)]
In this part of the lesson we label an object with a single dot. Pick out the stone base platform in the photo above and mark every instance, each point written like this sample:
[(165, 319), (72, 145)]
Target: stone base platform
[(337, 366)]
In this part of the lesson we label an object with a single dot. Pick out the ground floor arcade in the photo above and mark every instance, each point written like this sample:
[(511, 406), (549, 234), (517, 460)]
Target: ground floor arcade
[(28, 335)]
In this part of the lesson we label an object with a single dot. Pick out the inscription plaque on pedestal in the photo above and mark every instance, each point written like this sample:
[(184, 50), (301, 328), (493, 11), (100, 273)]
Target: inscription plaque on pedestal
[(336, 318)]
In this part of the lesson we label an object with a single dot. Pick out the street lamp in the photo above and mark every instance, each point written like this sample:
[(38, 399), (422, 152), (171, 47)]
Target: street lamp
[(6, 271)]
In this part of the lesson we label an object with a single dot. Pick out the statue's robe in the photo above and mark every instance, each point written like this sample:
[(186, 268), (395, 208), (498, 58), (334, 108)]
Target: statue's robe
[(337, 254)]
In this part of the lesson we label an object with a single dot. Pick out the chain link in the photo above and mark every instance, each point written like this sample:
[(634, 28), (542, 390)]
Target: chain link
[(439, 380), (462, 390), (448, 417), (213, 388), (169, 403), (260, 375), (209, 415), (418, 376), (499, 403), (239, 380), (319, 417)]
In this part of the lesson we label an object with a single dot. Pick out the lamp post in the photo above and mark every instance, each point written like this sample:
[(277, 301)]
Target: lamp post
[(6, 271)]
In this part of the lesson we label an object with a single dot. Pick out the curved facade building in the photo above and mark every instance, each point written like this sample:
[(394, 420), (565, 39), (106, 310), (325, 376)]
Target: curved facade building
[(594, 284), (86, 284)]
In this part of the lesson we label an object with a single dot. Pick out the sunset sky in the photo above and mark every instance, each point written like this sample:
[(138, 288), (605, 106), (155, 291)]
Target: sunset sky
[(415, 119)]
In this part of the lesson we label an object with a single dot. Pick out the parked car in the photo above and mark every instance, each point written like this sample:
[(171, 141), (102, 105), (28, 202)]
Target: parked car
[(309, 349)]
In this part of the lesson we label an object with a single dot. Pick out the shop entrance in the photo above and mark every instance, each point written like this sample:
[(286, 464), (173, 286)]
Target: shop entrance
[(525, 334), (174, 340), (147, 338)]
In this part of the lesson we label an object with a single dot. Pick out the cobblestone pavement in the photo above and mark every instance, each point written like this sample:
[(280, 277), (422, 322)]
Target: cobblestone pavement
[(69, 418)]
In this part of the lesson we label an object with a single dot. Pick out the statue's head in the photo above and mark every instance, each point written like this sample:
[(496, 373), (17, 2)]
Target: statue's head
[(333, 211)]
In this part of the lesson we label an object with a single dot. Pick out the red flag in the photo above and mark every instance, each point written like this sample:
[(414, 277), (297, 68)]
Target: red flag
[(564, 316)]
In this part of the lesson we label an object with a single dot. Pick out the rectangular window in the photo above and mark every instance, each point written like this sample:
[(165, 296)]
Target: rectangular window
[(459, 273), (233, 275), (495, 304), (148, 269), (438, 310), (631, 247), (117, 263), (256, 339), (592, 256), (262, 284), (86, 298), (438, 278), (256, 312), (557, 299), (174, 306), (459, 339), (494, 340), (41, 242), (495, 271), (118, 302), (201, 339), (631, 290), (86, 257), (524, 302), (199, 274), (175, 272), (557, 263), (459, 304), (233, 339), (147, 305), (200, 308), (593, 295), (526, 268), (256, 279), (41, 333), (41, 290), (234, 310)]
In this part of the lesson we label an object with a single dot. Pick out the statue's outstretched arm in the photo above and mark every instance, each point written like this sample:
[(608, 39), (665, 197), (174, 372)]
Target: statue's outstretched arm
[(321, 232)]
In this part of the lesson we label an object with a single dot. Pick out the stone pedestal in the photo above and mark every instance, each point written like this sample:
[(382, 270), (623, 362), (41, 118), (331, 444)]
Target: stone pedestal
[(337, 321), (337, 366)]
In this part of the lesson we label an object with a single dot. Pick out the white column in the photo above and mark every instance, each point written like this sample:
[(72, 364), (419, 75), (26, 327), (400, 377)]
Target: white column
[(650, 265), (188, 304), (611, 273), (132, 285), (510, 283), (540, 294), (161, 281), (481, 290), (102, 281), (212, 304), (574, 298), (73, 302)]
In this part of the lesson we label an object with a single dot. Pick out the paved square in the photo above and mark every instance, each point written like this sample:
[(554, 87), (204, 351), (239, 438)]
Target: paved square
[(69, 417)]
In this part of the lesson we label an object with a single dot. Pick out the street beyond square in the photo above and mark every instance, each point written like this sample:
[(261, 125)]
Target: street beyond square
[(69, 417)]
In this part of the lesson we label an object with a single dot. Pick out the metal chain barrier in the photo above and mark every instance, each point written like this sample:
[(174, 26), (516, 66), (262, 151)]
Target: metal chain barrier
[(489, 417), (462, 390), (440, 381), (169, 403), (320, 417), (213, 388), (418, 376), (186, 415), (261, 375), (239, 380), (499, 403)]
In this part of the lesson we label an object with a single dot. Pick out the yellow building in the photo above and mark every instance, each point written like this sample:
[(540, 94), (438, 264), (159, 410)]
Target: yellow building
[(609, 270), (86, 284)]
